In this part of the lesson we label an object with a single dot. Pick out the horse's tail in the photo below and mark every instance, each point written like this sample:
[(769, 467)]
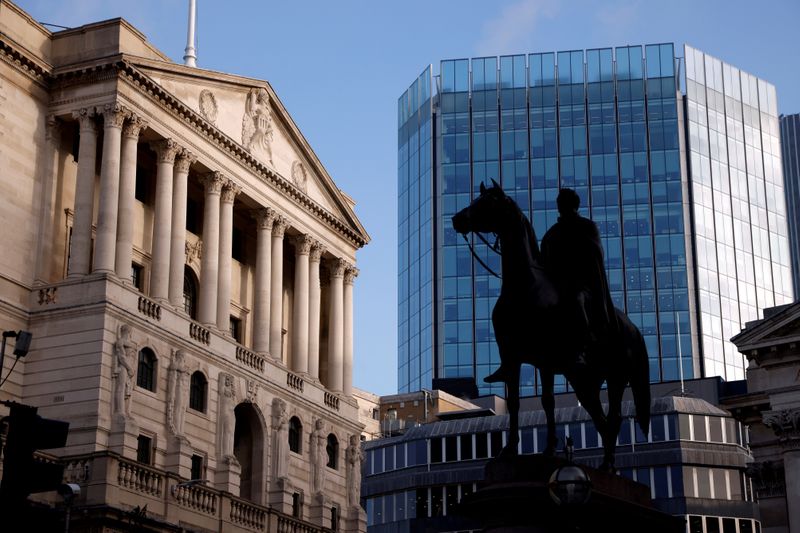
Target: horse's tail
[(640, 375)]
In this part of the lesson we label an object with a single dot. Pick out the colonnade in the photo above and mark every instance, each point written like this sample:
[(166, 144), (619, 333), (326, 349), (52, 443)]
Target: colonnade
[(113, 247)]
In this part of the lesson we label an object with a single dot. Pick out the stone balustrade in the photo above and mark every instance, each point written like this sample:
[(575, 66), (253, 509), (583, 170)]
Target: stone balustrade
[(249, 359), (149, 308), (294, 381), (199, 333), (196, 497), (332, 401), (249, 515), (139, 478)]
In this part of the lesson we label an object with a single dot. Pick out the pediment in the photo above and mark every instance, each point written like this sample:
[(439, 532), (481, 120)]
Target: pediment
[(779, 328), (249, 112)]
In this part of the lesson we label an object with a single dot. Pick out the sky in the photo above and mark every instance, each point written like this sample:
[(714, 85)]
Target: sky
[(339, 68)]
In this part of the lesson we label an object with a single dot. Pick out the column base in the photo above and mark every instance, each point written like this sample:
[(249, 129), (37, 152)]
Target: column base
[(124, 436), (280, 495), (179, 456), (228, 475)]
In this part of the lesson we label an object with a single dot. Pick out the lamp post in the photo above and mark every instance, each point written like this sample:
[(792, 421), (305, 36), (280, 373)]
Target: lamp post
[(21, 347)]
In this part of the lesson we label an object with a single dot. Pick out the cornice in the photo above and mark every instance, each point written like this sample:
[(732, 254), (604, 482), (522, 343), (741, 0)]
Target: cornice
[(194, 120), (17, 58)]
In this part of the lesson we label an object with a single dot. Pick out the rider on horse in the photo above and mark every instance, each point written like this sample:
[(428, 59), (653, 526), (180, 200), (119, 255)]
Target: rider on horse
[(572, 255)]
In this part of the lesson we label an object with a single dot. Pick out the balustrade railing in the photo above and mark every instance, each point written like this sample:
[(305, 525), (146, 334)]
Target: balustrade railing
[(199, 333), (248, 358), (294, 381), (138, 478), (332, 401), (149, 308), (287, 524), (248, 515), (196, 497)]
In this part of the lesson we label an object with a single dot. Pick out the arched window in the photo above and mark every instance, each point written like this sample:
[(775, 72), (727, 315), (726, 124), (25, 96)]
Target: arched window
[(333, 452), (197, 392), (189, 292), (295, 433), (146, 371)]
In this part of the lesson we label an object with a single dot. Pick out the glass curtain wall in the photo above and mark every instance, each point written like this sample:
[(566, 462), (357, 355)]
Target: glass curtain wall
[(790, 148)]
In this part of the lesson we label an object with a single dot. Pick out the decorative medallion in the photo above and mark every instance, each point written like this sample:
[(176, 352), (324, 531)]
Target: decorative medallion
[(208, 105), (257, 131), (300, 176)]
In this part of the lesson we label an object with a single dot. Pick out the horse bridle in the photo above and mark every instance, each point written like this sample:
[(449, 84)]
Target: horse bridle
[(495, 248)]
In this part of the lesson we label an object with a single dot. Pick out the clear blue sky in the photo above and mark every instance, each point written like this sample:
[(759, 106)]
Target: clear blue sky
[(339, 68)]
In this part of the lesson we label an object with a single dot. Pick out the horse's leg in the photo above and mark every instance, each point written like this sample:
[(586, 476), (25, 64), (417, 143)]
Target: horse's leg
[(587, 390), (549, 406), (512, 402), (613, 423)]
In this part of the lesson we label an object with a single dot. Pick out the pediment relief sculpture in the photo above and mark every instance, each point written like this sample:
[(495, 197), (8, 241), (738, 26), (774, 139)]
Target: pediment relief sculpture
[(300, 176), (257, 128), (208, 105)]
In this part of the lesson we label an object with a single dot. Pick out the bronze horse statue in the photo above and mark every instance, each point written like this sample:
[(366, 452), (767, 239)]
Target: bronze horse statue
[(531, 327)]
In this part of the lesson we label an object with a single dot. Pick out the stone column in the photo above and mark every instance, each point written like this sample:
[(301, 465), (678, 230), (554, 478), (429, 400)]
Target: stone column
[(314, 296), (276, 289), (46, 223), (81, 247), (127, 194), (302, 247), (261, 301), (107, 211), (166, 150), (336, 327), (229, 192), (347, 367), (177, 247), (207, 314)]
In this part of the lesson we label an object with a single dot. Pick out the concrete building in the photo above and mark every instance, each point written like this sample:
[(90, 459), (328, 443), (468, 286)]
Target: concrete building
[(186, 266), (676, 156)]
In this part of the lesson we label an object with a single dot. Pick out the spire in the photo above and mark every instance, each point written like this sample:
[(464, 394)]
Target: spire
[(190, 57)]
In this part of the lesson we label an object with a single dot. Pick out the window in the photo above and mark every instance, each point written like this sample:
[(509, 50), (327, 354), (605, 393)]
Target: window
[(146, 372), (236, 329), (197, 467), (295, 432), (333, 452), (144, 447), (189, 292), (334, 519), (296, 505), (197, 392), (137, 276)]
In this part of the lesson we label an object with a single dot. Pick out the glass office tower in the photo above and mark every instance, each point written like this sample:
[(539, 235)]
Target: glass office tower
[(790, 145), (678, 163)]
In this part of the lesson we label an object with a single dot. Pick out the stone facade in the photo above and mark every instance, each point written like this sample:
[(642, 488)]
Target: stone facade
[(185, 264), (771, 408)]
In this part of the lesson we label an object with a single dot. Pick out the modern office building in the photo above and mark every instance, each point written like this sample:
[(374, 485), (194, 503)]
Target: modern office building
[(676, 156), (165, 232), (790, 146)]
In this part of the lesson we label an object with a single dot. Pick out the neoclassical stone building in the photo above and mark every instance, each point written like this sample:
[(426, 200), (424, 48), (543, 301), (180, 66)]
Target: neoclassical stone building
[(186, 266)]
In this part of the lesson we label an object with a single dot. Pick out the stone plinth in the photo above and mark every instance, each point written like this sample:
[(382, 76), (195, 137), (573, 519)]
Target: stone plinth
[(179, 456), (280, 495), (515, 498), (228, 475), (124, 435)]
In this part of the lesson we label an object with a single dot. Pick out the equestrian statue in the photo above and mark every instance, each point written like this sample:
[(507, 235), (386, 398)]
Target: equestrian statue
[(555, 312)]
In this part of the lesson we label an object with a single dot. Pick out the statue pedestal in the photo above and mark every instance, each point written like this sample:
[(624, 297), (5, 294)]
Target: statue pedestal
[(515, 497), (179, 456), (280, 495), (124, 436), (316, 510), (355, 520), (228, 475)]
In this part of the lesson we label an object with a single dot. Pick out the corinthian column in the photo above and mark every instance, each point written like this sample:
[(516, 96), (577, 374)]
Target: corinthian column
[(264, 220), (166, 150), (209, 265), (347, 367), (177, 246), (314, 294), (80, 248), (106, 239), (44, 243), (127, 193), (336, 327), (229, 192), (302, 247), (276, 289)]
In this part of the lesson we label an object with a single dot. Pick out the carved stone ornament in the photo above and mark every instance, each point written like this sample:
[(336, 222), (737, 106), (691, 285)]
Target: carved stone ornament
[(166, 150), (208, 105), (264, 217), (300, 176), (85, 118), (252, 391), (230, 191), (194, 251), (114, 115), (184, 160), (279, 226), (769, 478), (350, 274), (338, 267), (213, 181), (257, 130), (302, 244), (785, 423), (317, 249), (134, 126)]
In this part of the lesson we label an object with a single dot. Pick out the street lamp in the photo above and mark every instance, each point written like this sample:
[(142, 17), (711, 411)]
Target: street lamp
[(21, 347), (569, 484)]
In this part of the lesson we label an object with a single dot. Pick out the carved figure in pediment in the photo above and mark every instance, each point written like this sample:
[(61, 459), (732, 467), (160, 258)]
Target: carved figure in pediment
[(257, 131), (122, 372), (300, 176), (208, 105)]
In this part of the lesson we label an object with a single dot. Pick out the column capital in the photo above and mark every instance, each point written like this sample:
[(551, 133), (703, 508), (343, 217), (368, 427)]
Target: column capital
[(338, 266), (134, 126), (279, 226), (212, 181), (166, 149), (350, 274), (785, 423), (114, 115), (184, 159), (85, 118), (317, 249), (264, 217), (302, 244), (53, 127), (230, 191)]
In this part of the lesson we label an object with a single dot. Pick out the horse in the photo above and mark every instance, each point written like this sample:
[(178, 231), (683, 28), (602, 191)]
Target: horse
[(531, 327)]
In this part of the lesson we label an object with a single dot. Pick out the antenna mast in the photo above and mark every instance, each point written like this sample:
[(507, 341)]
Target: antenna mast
[(190, 57)]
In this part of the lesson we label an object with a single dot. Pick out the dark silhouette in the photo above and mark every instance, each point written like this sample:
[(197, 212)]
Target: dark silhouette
[(532, 326)]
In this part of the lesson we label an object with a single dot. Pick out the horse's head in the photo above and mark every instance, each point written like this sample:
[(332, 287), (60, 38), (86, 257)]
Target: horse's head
[(482, 215)]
